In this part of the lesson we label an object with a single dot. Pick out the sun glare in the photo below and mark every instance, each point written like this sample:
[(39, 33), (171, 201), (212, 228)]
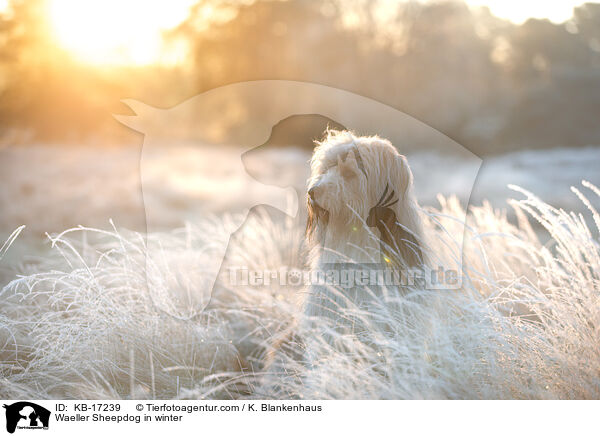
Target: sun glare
[(116, 32)]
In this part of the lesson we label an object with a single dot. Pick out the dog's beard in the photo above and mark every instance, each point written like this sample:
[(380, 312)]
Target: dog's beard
[(317, 217), (398, 246)]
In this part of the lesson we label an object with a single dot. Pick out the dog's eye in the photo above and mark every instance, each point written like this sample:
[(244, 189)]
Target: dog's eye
[(347, 173)]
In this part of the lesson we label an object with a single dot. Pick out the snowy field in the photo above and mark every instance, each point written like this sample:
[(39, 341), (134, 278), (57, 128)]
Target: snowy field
[(84, 315), (50, 188)]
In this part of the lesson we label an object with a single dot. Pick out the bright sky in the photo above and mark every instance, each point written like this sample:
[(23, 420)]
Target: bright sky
[(116, 31), (113, 32), (519, 11)]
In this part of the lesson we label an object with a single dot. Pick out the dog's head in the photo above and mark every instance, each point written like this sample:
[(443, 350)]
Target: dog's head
[(364, 181)]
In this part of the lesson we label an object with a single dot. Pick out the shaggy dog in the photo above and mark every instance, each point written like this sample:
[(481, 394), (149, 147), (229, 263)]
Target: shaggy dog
[(361, 210)]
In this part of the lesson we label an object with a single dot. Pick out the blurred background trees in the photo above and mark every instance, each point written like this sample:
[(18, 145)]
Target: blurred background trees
[(489, 84)]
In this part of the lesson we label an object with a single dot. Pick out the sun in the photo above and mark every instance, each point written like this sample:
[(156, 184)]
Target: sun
[(116, 32)]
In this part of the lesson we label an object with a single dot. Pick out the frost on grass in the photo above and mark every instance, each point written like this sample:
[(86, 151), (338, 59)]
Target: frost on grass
[(100, 320)]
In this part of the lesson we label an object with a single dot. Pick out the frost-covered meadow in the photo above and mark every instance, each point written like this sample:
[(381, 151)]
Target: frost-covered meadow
[(84, 314)]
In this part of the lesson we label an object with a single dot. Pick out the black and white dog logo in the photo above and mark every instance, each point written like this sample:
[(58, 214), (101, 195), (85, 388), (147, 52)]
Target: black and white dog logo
[(26, 415)]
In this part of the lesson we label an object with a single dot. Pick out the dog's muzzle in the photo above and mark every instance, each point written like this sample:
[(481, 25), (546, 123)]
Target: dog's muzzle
[(318, 213)]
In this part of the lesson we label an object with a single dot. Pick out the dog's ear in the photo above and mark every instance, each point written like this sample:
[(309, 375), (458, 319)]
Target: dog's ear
[(401, 176), (401, 246), (401, 233)]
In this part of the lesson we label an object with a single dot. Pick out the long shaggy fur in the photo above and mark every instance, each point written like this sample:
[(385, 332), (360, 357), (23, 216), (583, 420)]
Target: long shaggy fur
[(361, 209)]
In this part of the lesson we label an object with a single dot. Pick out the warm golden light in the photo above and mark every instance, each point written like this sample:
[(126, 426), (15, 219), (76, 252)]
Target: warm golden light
[(117, 32), (519, 11)]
